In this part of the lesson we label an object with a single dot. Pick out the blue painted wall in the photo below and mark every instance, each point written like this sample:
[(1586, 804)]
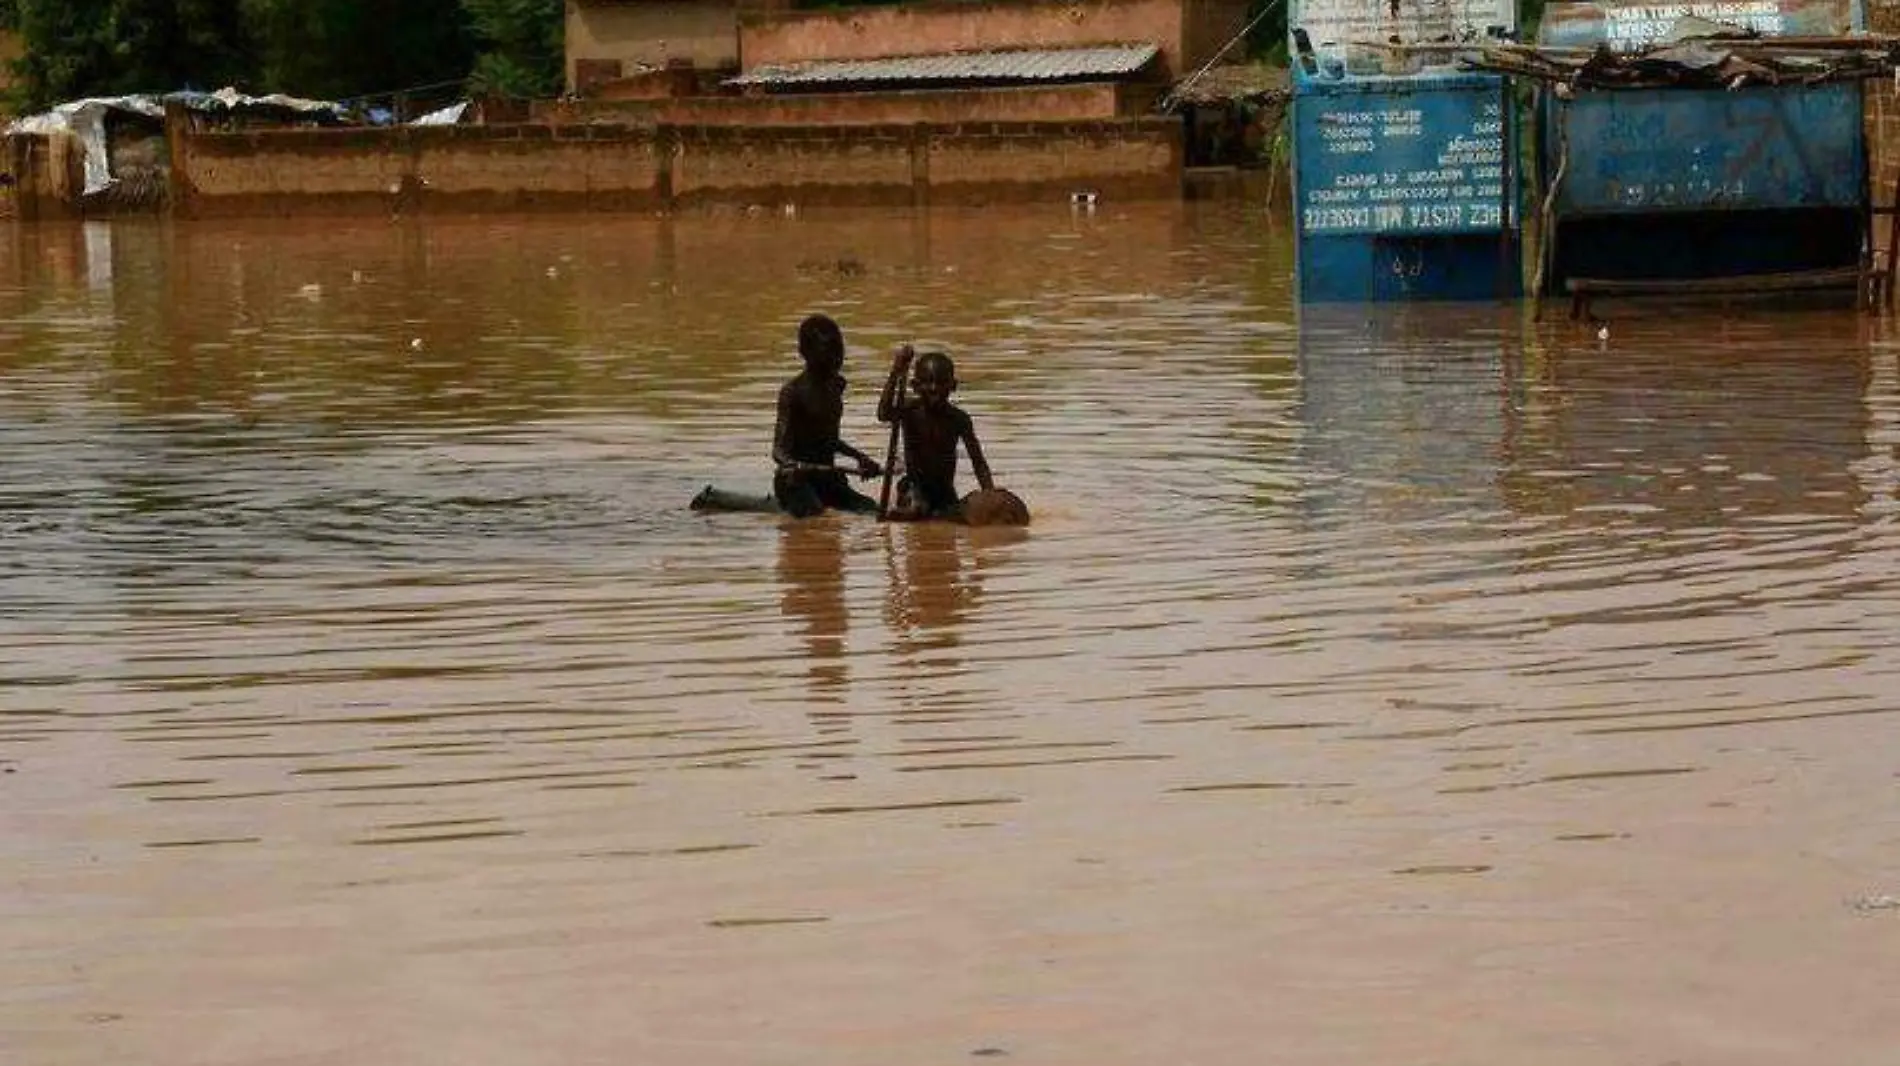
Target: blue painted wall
[(1404, 188), (1701, 149), (1694, 183)]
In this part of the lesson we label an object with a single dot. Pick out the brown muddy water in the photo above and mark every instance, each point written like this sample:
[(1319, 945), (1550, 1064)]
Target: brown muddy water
[(1428, 687)]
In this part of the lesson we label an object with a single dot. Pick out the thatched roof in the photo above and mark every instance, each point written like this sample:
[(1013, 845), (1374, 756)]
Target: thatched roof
[(1234, 81)]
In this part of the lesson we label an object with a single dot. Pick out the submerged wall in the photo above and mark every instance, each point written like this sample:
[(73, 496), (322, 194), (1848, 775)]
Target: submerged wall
[(40, 176), (627, 167)]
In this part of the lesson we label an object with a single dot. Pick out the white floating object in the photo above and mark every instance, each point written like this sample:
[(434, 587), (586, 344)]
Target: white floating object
[(1603, 332), (415, 345), (311, 291)]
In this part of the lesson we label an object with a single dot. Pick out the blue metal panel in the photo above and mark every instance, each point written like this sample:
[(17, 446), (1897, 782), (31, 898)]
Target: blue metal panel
[(1364, 269), (1704, 149), (1403, 188)]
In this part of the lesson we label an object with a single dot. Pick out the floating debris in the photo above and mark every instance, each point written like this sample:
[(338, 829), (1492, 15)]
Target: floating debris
[(754, 923), (1696, 53), (1869, 904), (843, 266)]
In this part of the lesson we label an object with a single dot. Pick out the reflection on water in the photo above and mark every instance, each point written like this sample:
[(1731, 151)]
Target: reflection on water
[(1419, 684), (811, 558), (936, 584)]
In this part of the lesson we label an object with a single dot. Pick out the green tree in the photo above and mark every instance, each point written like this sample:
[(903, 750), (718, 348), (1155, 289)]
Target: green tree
[(1266, 31), (521, 46), (106, 47), (69, 50), (349, 49)]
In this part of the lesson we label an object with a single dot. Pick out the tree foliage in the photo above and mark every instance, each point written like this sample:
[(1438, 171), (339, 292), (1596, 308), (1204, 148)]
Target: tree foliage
[(521, 44), (94, 47), (333, 49), (339, 49)]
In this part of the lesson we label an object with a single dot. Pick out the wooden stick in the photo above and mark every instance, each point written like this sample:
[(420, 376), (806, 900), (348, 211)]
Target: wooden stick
[(890, 450)]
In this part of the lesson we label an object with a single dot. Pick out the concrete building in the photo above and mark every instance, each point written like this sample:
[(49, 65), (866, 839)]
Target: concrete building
[(609, 40)]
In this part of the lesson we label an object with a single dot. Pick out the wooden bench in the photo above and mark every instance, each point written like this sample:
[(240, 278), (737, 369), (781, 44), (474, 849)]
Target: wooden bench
[(1870, 286)]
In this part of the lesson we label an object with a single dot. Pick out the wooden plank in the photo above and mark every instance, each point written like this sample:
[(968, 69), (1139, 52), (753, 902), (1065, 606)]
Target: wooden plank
[(1845, 277)]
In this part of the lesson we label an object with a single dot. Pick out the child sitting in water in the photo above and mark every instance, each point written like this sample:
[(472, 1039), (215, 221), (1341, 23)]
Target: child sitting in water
[(933, 427), (805, 440)]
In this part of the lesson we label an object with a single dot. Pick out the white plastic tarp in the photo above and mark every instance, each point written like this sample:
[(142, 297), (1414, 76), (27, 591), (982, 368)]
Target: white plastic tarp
[(447, 116), (86, 120)]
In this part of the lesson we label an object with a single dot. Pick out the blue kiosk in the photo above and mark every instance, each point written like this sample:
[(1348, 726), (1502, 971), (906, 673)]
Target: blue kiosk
[(1404, 178), (1736, 187)]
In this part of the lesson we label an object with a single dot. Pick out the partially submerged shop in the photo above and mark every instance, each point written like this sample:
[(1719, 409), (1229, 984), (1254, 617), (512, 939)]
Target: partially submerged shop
[(1405, 186)]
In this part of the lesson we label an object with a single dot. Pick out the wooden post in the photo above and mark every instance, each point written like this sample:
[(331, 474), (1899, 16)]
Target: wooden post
[(666, 145), (1893, 244), (179, 189), (1507, 159), (26, 183), (920, 164)]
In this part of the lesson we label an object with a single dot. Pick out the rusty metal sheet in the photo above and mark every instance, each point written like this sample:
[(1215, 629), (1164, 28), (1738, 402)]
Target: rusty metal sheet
[(1630, 27), (1060, 64)]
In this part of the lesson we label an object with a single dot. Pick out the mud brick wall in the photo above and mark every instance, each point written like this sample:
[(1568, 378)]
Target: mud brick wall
[(838, 165), (455, 169), (41, 177), (617, 168), (1025, 161)]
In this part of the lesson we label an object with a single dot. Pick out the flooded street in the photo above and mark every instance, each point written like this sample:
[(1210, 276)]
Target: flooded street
[(1432, 686)]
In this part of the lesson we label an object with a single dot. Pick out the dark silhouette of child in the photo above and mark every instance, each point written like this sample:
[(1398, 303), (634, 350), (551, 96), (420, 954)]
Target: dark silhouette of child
[(805, 440), (933, 427)]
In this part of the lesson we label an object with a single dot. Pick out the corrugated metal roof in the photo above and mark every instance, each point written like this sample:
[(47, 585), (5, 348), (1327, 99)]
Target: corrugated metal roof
[(1037, 65)]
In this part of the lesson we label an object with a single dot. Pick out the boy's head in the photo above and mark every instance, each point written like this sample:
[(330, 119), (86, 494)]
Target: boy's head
[(821, 345), (933, 378)]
